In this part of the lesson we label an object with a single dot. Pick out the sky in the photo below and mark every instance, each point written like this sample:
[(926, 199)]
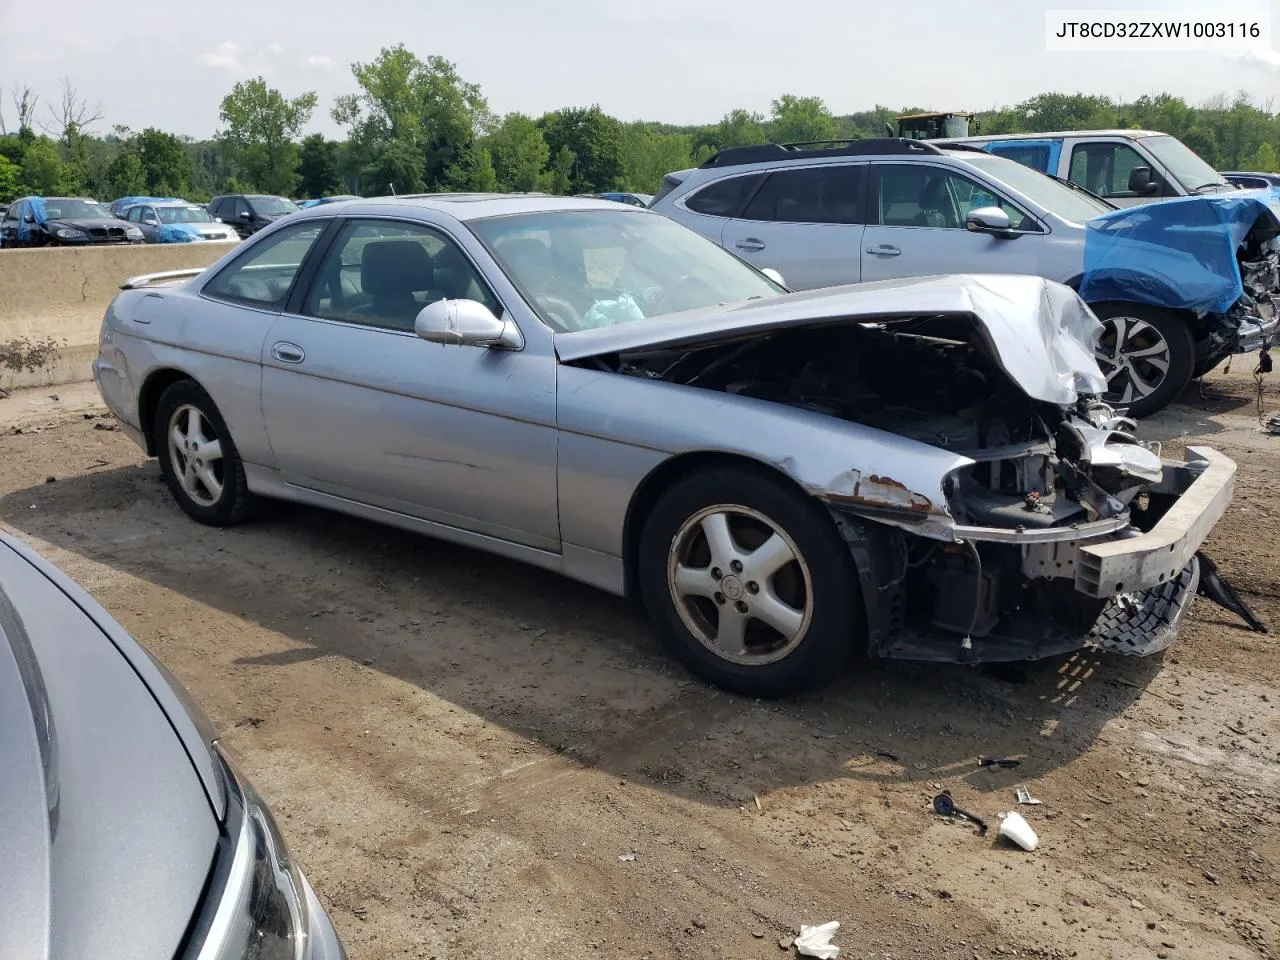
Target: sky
[(168, 63)]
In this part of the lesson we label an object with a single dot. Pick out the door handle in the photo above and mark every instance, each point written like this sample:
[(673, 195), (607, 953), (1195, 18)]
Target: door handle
[(287, 352), (750, 243), (884, 250)]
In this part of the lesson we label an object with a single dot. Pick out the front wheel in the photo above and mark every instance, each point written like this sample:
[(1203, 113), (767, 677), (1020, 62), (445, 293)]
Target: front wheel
[(749, 583), (1146, 354)]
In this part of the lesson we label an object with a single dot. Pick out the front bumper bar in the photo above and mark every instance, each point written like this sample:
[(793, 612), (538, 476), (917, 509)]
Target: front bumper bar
[(1203, 485), (1257, 332)]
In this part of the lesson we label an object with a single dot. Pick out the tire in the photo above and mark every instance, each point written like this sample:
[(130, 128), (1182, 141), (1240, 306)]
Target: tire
[(814, 594), (213, 490), (1151, 338)]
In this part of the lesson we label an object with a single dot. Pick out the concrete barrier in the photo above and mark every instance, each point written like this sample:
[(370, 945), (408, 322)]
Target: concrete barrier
[(52, 300)]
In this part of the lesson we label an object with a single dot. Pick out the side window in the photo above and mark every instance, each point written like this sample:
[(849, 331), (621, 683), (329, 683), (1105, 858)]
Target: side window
[(811, 195), (239, 208), (215, 208), (12, 212), (1104, 168), (1035, 156), (724, 198), (919, 195), (264, 274), (381, 273)]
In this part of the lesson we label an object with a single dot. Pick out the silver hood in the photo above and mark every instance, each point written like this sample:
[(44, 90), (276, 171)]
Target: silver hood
[(106, 829), (1040, 332)]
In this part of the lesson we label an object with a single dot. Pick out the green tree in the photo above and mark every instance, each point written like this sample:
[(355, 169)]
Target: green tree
[(595, 139), (740, 128), (125, 176), (166, 169), (800, 119), (261, 125), (559, 177), (1264, 159), (520, 154), (650, 155), (413, 122), (10, 179), (318, 166), (43, 172)]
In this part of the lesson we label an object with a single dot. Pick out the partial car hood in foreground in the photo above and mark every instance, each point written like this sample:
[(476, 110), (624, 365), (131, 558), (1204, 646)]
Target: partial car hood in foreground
[(106, 832), (1180, 253), (1040, 332)]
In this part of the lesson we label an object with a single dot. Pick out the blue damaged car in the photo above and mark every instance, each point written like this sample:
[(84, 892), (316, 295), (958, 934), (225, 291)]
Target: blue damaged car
[(63, 221), (176, 222)]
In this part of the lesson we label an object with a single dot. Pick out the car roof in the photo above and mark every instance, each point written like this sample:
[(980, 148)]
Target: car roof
[(462, 206), (1126, 134)]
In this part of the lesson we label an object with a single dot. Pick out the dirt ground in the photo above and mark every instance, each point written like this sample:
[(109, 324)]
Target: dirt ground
[(474, 759)]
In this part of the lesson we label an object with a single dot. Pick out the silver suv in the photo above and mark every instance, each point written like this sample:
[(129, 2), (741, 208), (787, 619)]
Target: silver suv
[(883, 209)]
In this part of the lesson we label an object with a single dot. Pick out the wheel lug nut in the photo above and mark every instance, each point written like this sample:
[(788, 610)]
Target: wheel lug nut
[(720, 598), (742, 606), (735, 566), (753, 587), (715, 573)]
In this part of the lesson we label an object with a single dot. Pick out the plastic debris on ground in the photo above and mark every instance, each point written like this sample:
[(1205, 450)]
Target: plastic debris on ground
[(1024, 796), (816, 941), (1014, 827), (626, 857)]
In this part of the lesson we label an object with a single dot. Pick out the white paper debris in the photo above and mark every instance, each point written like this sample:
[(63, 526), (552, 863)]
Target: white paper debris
[(626, 857), (816, 941), (1024, 796)]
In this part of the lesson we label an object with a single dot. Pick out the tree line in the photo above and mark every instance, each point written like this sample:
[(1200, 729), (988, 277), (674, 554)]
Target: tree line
[(415, 125)]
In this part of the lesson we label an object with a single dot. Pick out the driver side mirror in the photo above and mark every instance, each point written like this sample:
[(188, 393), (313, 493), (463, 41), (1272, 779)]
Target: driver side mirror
[(774, 275), (1141, 182), (467, 323), (245, 215), (151, 222), (991, 220), (29, 218)]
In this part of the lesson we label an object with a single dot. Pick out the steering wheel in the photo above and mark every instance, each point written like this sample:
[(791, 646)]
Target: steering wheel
[(564, 312), (688, 286)]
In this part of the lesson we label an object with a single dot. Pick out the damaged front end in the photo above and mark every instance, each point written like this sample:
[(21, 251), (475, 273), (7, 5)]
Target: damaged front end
[(1060, 529)]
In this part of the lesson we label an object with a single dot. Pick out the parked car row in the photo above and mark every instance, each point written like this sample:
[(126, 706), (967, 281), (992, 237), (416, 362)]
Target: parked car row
[(1179, 285)]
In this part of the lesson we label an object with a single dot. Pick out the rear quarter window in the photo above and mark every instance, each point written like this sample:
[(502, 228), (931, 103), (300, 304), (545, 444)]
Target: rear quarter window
[(724, 198)]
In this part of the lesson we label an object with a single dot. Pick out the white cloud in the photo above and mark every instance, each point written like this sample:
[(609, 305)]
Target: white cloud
[(319, 61), (275, 47), (225, 56), (1261, 57)]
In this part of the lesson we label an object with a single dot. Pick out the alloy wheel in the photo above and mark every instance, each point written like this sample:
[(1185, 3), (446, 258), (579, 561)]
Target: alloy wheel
[(1134, 357), (195, 453), (740, 584)]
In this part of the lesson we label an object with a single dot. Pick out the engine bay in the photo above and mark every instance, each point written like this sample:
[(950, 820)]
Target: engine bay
[(933, 380)]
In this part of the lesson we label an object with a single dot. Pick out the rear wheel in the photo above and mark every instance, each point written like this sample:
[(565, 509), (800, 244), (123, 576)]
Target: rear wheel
[(749, 583), (1146, 354), (198, 459)]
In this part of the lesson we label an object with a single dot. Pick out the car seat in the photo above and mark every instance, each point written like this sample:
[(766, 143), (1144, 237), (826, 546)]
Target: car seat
[(391, 272)]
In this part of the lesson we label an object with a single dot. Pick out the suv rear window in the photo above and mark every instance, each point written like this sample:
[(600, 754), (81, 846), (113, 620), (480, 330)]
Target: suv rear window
[(724, 198)]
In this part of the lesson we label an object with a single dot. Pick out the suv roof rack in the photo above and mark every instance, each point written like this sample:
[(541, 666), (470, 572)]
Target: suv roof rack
[(764, 152), (965, 146)]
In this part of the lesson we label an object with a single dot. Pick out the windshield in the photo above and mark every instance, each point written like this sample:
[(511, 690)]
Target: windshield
[(1181, 161), (183, 215), (273, 206), (595, 268), (1036, 187), (57, 208)]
